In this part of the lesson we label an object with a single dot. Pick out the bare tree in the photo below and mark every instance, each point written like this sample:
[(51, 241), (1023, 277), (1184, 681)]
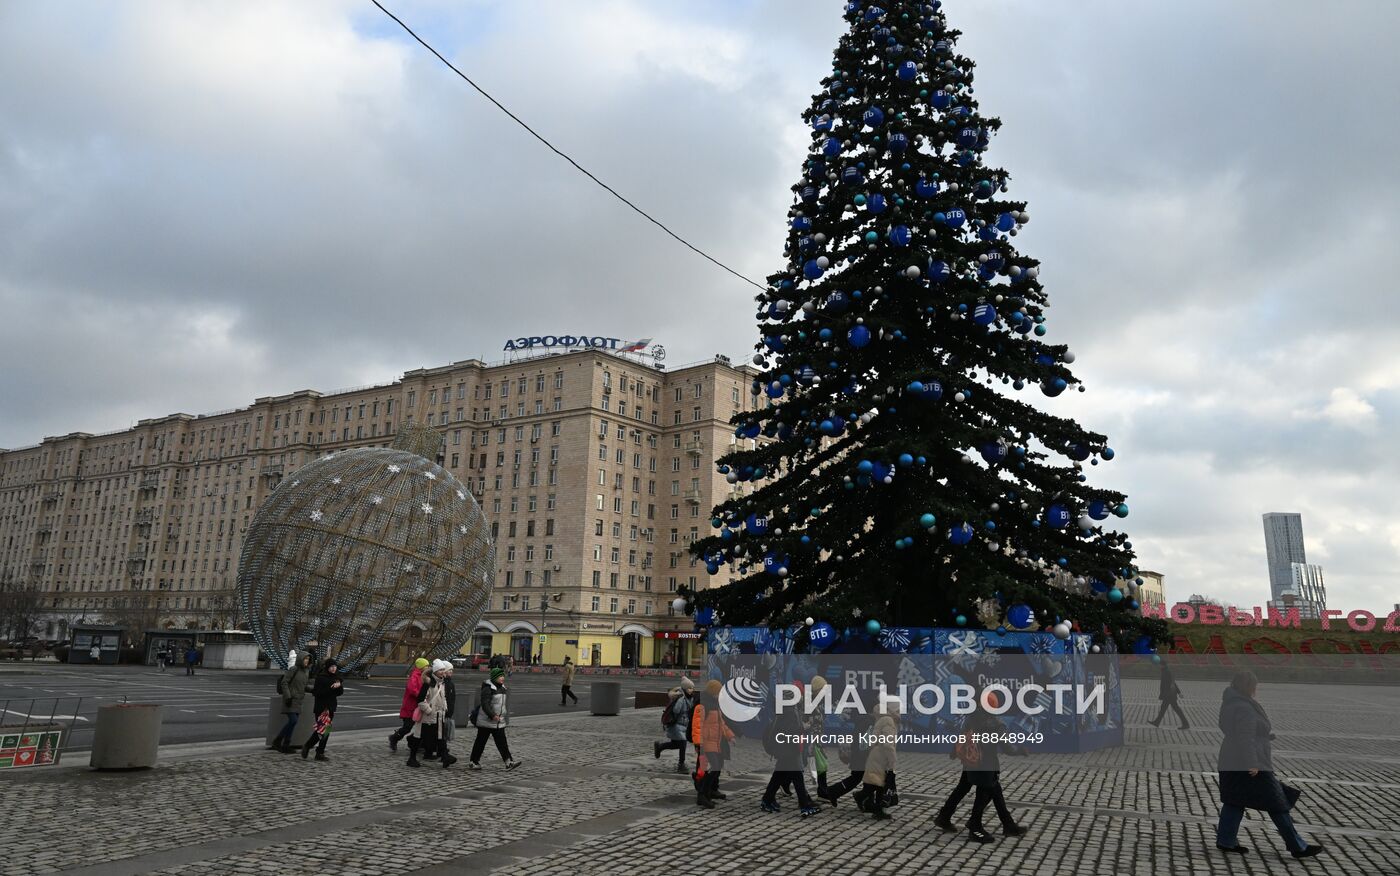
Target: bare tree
[(21, 603), (224, 612), (135, 613)]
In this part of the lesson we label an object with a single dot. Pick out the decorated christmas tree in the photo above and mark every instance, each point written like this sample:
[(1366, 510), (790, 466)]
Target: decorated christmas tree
[(895, 476)]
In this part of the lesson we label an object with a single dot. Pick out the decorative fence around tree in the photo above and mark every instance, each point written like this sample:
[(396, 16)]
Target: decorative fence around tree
[(937, 656)]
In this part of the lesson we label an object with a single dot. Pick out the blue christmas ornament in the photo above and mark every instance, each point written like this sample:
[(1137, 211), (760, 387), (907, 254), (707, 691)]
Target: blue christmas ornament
[(926, 520), (881, 471), (1078, 453), (960, 620), (955, 218), (939, 272), (775, 390), (1054, 386), (907, 71), (995, 452), (705, 617), (836, 302), (1057, 516), (1006, 222), (1020, 615), (1106, 453), (874, 117), (801, 223), (941, 100), (967, 138), (831, 148), (898, 143), (822, 123), (1115, 595), (932, 391), (925, 189), (984, 314), (960, 534), (852, 176), (1121, 510), (811, 270), (865, 466), (825, 334), (756, 524), (773, 562), (809, 193), (858, 336), (906, 460), (821, 635), (899, 235), (875, 203), (1098, 509), (872, 626)]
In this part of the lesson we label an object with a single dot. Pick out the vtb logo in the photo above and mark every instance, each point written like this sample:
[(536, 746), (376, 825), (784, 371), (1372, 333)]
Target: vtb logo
[(741, 699)]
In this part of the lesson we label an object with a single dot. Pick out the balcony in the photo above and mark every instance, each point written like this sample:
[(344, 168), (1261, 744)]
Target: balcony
[(693, 496), (150, 482), (145, 517), (53, 496), (695, 447), (274, 470)]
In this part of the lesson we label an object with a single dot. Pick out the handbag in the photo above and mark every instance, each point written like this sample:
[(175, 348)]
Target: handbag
[(819, 757), (1290, 793)]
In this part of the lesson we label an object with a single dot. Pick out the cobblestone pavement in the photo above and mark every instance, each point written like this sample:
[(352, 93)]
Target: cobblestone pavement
[(591, 799)]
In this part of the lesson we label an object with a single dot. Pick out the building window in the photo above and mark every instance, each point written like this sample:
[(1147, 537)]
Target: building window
[(596, 600), (597, 582)]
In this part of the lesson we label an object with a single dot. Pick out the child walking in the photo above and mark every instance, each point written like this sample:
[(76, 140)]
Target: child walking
[(981, 770), (711, 737), (325, 691)]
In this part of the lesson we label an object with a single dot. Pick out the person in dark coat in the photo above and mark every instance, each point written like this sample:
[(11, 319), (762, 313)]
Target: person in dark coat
[(448, 726), (294, 689), (325, 691), (1168, 693), (1247, 779), (191, 658), (982, 771), (787, 743), (855, 758)]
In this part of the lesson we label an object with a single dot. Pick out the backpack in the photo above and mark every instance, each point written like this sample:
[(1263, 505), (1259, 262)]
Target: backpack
[(668, 714), (969, 753)]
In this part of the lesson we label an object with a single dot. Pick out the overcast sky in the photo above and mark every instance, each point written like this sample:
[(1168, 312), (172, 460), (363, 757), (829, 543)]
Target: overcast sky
[(205, 202)]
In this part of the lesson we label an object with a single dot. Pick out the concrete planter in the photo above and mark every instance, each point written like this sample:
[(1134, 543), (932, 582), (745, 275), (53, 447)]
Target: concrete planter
[(605, 697), (126, 737)]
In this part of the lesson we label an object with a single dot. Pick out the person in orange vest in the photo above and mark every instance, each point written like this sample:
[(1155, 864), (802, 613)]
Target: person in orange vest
[(711, 736)]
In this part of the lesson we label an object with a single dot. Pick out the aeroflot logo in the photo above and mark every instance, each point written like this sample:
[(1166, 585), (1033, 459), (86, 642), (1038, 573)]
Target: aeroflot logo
[(595, 342)]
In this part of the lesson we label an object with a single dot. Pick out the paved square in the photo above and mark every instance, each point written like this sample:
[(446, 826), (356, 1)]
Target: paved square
[(591, 799)]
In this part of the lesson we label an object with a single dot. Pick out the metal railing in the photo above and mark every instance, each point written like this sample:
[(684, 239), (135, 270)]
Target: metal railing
[(35, 732)]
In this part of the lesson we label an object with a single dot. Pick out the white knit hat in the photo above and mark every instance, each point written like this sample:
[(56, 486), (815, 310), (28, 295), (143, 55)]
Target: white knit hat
[(441, 666)]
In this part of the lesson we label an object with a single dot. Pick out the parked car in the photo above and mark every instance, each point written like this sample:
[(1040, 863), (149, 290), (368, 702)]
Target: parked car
[(475, 661)]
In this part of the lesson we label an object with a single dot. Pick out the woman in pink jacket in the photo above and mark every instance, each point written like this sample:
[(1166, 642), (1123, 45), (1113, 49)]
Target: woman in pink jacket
[(410, 702)]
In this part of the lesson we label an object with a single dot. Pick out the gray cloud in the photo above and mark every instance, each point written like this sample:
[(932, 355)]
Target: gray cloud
[(202, 203)]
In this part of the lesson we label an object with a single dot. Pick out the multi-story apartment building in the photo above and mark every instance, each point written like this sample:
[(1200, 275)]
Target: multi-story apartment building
[(595, 471)]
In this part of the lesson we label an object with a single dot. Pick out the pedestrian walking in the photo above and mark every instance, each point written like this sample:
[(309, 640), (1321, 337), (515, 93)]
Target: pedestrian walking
[(854, 757), (412, 685), (427, 717), (880, 762), (565, 692), (191, 657), (675, 721), (95, 653), (447, 728), (1168, 692), (786, 740), (293, 687), (325, 691), (711, 736), (979, 753), (1247, 779), (490, 719)]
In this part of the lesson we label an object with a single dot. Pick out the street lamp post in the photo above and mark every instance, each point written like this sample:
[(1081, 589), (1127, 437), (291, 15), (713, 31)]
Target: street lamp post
[(545, 599)]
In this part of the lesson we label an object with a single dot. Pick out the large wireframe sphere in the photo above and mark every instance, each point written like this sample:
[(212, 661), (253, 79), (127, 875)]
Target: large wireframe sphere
[(366, 553)]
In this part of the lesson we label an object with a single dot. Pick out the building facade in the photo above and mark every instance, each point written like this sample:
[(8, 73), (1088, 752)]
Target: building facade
[(1283, 546), (1306, 592), (595, 471), (1153, 590)]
